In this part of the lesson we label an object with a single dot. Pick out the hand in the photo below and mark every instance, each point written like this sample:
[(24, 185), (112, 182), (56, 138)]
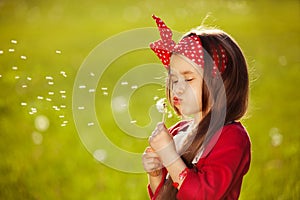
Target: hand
[(151, 162), (163, 144)]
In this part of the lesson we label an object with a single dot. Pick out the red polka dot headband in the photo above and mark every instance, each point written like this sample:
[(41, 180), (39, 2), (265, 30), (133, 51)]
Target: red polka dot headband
[(189, 46)]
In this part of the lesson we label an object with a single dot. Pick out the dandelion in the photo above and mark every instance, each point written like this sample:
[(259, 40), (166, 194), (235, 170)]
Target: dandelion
[(161, 107), (17, 77), (65, 122), (1, 51), (40, 97), (62, 92), (58, 51), (14, 68), (82, 86), (132, 121), (48, 99), (63, 106), (29, 78), (11, 50), (24, 86), (14, 41), (51, 93), (63, 96), (63, 125), (92, 74), (105, 93), (23, 104), (50, 83), (124, 83), (104, 88), (23, 57), (61, 116)]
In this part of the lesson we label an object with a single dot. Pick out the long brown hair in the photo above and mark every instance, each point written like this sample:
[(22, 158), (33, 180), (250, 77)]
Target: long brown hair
[(235, 82)]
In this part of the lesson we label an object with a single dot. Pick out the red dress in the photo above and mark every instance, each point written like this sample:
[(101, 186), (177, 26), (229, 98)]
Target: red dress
[(219, 174)]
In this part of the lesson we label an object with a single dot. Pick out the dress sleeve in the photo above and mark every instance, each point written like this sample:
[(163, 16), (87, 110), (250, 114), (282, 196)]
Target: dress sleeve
[(221, 171), (173, 130)]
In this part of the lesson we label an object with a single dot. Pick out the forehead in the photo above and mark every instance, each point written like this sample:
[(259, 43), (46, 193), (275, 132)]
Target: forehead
[(179, 64)]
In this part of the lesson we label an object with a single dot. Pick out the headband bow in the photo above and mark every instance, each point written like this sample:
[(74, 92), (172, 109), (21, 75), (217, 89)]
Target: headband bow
[(189, 46)]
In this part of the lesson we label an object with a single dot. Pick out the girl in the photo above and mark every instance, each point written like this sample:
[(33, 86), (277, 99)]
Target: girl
[(206, 157)]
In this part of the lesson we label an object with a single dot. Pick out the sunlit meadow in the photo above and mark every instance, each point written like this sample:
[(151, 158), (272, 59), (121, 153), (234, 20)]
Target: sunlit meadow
[(44, 43)]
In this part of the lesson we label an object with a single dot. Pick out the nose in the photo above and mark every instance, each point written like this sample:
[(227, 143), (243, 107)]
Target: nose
[(179, 88)]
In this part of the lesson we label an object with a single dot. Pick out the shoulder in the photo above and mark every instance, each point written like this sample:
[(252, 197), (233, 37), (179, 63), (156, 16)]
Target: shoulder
[(235, 133)]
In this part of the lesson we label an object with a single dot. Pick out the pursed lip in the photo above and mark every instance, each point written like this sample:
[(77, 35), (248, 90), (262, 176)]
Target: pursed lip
[(176, 101)]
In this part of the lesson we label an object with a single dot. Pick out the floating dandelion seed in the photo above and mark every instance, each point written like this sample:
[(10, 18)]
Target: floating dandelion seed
[(91, 90), (48, 99), (65, 122), (132, 121), (23, 104), (80, 107), (49, 78), (62, 91), (17, 77), (33, 110), (14, 41), (50, 83), (1, 51), (92, 74), (63, 73), (24, 86), (51, 93), (155, 98), (14, 68), (58, 51), (0, 76), (40, 97), (29, 78), (104, 88), (23, 57), (91, 124), (63, 96), (63, 106), (11, 50), (105, 93), (124, 83), (61, 116), (82, 86), (134, 87), (63, 125)]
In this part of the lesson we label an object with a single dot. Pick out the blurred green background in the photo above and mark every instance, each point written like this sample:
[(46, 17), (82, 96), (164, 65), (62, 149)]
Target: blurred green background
[(50, 162)]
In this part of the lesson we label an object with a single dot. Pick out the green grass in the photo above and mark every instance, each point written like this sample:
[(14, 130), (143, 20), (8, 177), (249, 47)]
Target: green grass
[(61, 167)]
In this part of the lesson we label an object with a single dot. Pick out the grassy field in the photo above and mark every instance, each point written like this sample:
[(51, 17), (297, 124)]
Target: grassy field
[(43, 45)]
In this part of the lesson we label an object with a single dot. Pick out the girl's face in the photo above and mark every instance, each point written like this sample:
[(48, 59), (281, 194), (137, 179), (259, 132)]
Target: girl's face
[(186, 86)]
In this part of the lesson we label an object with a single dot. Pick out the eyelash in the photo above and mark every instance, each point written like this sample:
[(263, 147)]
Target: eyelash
[(187, 80)]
